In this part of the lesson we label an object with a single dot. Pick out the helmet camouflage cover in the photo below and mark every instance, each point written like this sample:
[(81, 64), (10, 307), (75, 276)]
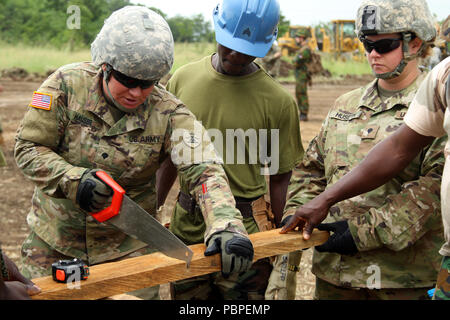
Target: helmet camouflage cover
[(135, 41), (395, 16), (445, 29)]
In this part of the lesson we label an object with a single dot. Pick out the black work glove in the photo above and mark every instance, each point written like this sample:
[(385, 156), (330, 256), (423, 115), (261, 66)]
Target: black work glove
[(285, 221), (341, 241), (236, 252), (93, 195)]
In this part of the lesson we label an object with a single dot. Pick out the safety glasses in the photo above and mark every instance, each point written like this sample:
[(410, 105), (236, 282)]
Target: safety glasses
[(381, 46), (132, 82)]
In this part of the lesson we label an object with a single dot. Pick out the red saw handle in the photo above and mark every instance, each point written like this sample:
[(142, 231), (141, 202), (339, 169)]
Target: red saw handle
[(114, 209)]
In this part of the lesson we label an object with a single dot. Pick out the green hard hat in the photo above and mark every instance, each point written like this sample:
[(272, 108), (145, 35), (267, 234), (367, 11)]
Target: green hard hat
[(137, 42)]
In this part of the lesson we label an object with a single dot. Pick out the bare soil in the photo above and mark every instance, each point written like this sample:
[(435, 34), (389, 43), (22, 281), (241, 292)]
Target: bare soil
[(16, 191)]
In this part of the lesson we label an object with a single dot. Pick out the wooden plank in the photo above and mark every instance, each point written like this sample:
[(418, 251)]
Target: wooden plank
[(115, 278)]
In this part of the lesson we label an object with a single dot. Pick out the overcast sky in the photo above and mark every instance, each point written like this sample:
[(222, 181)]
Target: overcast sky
[(301, 12)]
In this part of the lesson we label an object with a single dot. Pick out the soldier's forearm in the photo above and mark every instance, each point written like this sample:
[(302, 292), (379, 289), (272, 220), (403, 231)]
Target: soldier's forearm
[(42, 166), (165, 177)]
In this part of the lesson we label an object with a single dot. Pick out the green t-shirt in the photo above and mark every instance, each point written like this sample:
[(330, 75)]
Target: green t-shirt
[(252, 106)]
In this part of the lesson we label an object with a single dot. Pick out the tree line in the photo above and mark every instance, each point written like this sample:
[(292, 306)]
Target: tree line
[(62, 23)]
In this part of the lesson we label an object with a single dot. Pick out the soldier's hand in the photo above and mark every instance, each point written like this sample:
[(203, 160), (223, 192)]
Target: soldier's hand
[(236, 252), (307, 217), (93, 195), (16, 286), (2, 141)]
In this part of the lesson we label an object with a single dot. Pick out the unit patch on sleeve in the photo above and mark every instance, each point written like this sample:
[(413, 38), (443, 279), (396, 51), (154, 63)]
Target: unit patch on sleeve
[(41, 100)]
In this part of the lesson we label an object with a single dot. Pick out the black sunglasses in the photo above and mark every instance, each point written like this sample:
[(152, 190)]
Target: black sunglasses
[(132, 82), (381, 46)]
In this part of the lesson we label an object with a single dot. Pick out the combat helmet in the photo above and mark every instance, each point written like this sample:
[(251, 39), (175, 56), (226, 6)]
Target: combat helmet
[(135, 41), (409, 18)]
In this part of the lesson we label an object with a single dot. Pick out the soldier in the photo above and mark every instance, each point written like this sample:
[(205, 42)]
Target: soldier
[(272, 61), (302, 76), (13, 285), (229, 93), (389, 239), (113, 115)]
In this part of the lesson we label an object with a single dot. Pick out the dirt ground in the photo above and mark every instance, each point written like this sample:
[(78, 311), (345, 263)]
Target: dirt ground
[(16, 192)]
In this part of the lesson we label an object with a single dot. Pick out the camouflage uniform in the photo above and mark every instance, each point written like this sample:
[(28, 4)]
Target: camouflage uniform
[(302, 78), (270, 62), (55, 147), (397, 228)]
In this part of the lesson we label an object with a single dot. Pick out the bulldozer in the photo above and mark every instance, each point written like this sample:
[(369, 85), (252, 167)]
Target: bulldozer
[(341, 40), (344, 40)]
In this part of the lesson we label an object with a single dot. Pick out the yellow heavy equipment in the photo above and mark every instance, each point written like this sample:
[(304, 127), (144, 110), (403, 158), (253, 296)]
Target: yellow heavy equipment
[(345, 41), (287, 41), (342, 40)]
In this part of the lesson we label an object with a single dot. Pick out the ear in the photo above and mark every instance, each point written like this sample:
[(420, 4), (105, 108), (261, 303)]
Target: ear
[(415, 45)]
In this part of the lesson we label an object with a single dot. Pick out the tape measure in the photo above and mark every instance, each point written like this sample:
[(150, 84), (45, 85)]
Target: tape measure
[(69, 270)]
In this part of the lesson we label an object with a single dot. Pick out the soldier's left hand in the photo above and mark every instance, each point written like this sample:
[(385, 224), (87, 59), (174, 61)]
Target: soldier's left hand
[(308, 216), (235, 249), (341, 241), (2, 141)]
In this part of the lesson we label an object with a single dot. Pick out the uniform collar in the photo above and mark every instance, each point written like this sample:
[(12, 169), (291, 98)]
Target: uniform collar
[(370, 98)]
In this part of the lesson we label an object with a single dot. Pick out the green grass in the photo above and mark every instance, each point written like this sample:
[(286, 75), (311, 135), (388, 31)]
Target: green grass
[(340, 67), (41, 60), (38, 59)]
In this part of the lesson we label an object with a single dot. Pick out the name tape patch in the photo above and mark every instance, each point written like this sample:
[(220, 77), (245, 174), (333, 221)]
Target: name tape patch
[(41, 100)]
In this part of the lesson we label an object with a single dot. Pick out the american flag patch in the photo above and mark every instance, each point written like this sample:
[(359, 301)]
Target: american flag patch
[(41, 100)]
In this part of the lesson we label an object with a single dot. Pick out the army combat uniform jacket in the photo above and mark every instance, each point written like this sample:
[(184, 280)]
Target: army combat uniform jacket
[(57, 143), (397, 228)]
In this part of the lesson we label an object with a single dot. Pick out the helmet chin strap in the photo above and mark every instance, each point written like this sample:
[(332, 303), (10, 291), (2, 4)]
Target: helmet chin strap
[(107, 76), (406, 37)]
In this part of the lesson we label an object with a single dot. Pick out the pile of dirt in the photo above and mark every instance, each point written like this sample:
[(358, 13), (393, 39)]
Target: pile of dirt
[(20, 74), (316, 68)]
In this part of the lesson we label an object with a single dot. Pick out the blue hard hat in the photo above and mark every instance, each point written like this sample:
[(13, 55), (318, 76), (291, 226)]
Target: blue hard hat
[(247, 26)]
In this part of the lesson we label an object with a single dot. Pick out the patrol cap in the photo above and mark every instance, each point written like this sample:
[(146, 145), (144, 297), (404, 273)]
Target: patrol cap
[(137, 42)]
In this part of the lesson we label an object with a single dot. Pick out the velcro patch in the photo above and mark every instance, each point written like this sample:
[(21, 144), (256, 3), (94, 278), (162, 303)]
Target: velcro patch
[(41, 100)]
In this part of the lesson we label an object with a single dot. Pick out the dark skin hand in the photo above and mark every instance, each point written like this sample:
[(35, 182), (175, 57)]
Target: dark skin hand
[(17, 287), (278, 189), (394, 153)]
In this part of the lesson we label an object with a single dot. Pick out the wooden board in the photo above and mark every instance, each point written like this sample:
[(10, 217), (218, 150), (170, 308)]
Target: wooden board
[(115, 278)]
